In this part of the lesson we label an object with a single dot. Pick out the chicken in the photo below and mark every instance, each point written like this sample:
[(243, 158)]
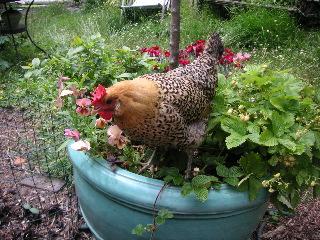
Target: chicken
[(167, 110)]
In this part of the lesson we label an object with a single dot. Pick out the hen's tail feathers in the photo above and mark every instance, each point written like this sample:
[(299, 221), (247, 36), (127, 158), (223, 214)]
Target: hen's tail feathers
[(214, 46)]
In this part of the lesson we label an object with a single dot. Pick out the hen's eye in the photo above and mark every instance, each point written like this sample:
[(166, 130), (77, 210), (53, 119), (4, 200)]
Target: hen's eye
[(109, 101)]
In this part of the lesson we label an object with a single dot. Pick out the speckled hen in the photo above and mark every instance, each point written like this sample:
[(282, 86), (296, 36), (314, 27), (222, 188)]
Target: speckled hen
[(168, 110)]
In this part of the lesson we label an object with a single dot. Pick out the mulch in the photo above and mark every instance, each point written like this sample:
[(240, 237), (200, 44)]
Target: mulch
[(59, 217)]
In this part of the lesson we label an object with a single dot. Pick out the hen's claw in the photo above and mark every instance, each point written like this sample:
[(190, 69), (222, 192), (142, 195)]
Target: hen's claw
[(149, 164)]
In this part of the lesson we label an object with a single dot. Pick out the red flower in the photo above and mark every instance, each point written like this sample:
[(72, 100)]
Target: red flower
[(200, 42), (198, 49), (167, 54), (98, 95), (189, 49), (184, 62), (227, 57), (154, 51), (143, 50), (183, 54)]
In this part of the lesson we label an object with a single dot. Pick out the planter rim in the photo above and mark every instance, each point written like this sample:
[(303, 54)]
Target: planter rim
[(108, 179)]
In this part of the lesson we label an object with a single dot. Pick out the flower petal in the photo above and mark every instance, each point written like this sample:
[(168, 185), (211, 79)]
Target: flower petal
[(114, 131), (81, 145), (66, 93)]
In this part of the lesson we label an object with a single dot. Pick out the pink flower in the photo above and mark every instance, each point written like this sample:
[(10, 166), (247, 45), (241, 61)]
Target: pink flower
[(81, 145), (241, 57), (74, 134), (184, 62), (115, 137), (83, 106)]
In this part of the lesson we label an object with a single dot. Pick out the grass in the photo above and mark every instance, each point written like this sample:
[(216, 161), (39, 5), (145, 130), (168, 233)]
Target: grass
[(272, 35)]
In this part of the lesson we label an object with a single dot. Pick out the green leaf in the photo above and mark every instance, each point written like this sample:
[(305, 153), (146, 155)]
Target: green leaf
[(63, 145), (165, 213), (34, 210), (233, 181), (74, 51), (281, 122), (202, 194), (253, 128), (254, 187), (285, 103), (26, 206), (317, 140), (302, 177), (222, 171), (203, 180), (288, 144), (35, 62), (273, 161), (267, 138), (252, 163), (139, 230), (235, 140), (186, 189), (308, 139), (234, 125), (232, 172), (285, 201), (316, 191)]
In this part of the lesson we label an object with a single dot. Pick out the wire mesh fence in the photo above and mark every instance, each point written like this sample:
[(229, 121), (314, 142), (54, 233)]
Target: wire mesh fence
[(37, 199)]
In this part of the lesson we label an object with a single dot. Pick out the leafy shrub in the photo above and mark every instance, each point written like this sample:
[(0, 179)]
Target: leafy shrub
[(267, 123)]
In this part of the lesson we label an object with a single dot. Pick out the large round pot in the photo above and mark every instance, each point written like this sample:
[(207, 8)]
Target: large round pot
[(113, 202)]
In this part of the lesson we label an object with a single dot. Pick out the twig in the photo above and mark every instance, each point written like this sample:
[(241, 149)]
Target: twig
[(155, 211)]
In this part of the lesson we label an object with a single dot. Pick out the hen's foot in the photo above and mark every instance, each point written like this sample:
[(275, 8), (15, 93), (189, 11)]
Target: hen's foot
[(149, 164)]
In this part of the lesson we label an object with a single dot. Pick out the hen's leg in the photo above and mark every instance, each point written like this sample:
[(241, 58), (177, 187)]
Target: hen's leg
[(190, 154), (150, 163)]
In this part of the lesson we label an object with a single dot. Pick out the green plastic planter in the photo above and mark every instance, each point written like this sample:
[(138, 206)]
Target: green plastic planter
[(113, 202)]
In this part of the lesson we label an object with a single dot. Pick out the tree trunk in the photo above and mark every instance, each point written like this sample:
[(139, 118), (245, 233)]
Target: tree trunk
[(175, 33)]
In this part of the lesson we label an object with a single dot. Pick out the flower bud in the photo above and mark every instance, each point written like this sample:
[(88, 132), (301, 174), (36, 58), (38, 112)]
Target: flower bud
[(100, 123), (241, 107), (313, 183), (265, 183), (271, 190), (277, 175), (230, 111)]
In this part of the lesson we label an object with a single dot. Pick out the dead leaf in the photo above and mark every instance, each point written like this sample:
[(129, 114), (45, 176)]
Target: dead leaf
[(18, 161)]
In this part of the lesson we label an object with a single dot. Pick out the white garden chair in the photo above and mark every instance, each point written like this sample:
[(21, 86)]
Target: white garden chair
[(164, 5)]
